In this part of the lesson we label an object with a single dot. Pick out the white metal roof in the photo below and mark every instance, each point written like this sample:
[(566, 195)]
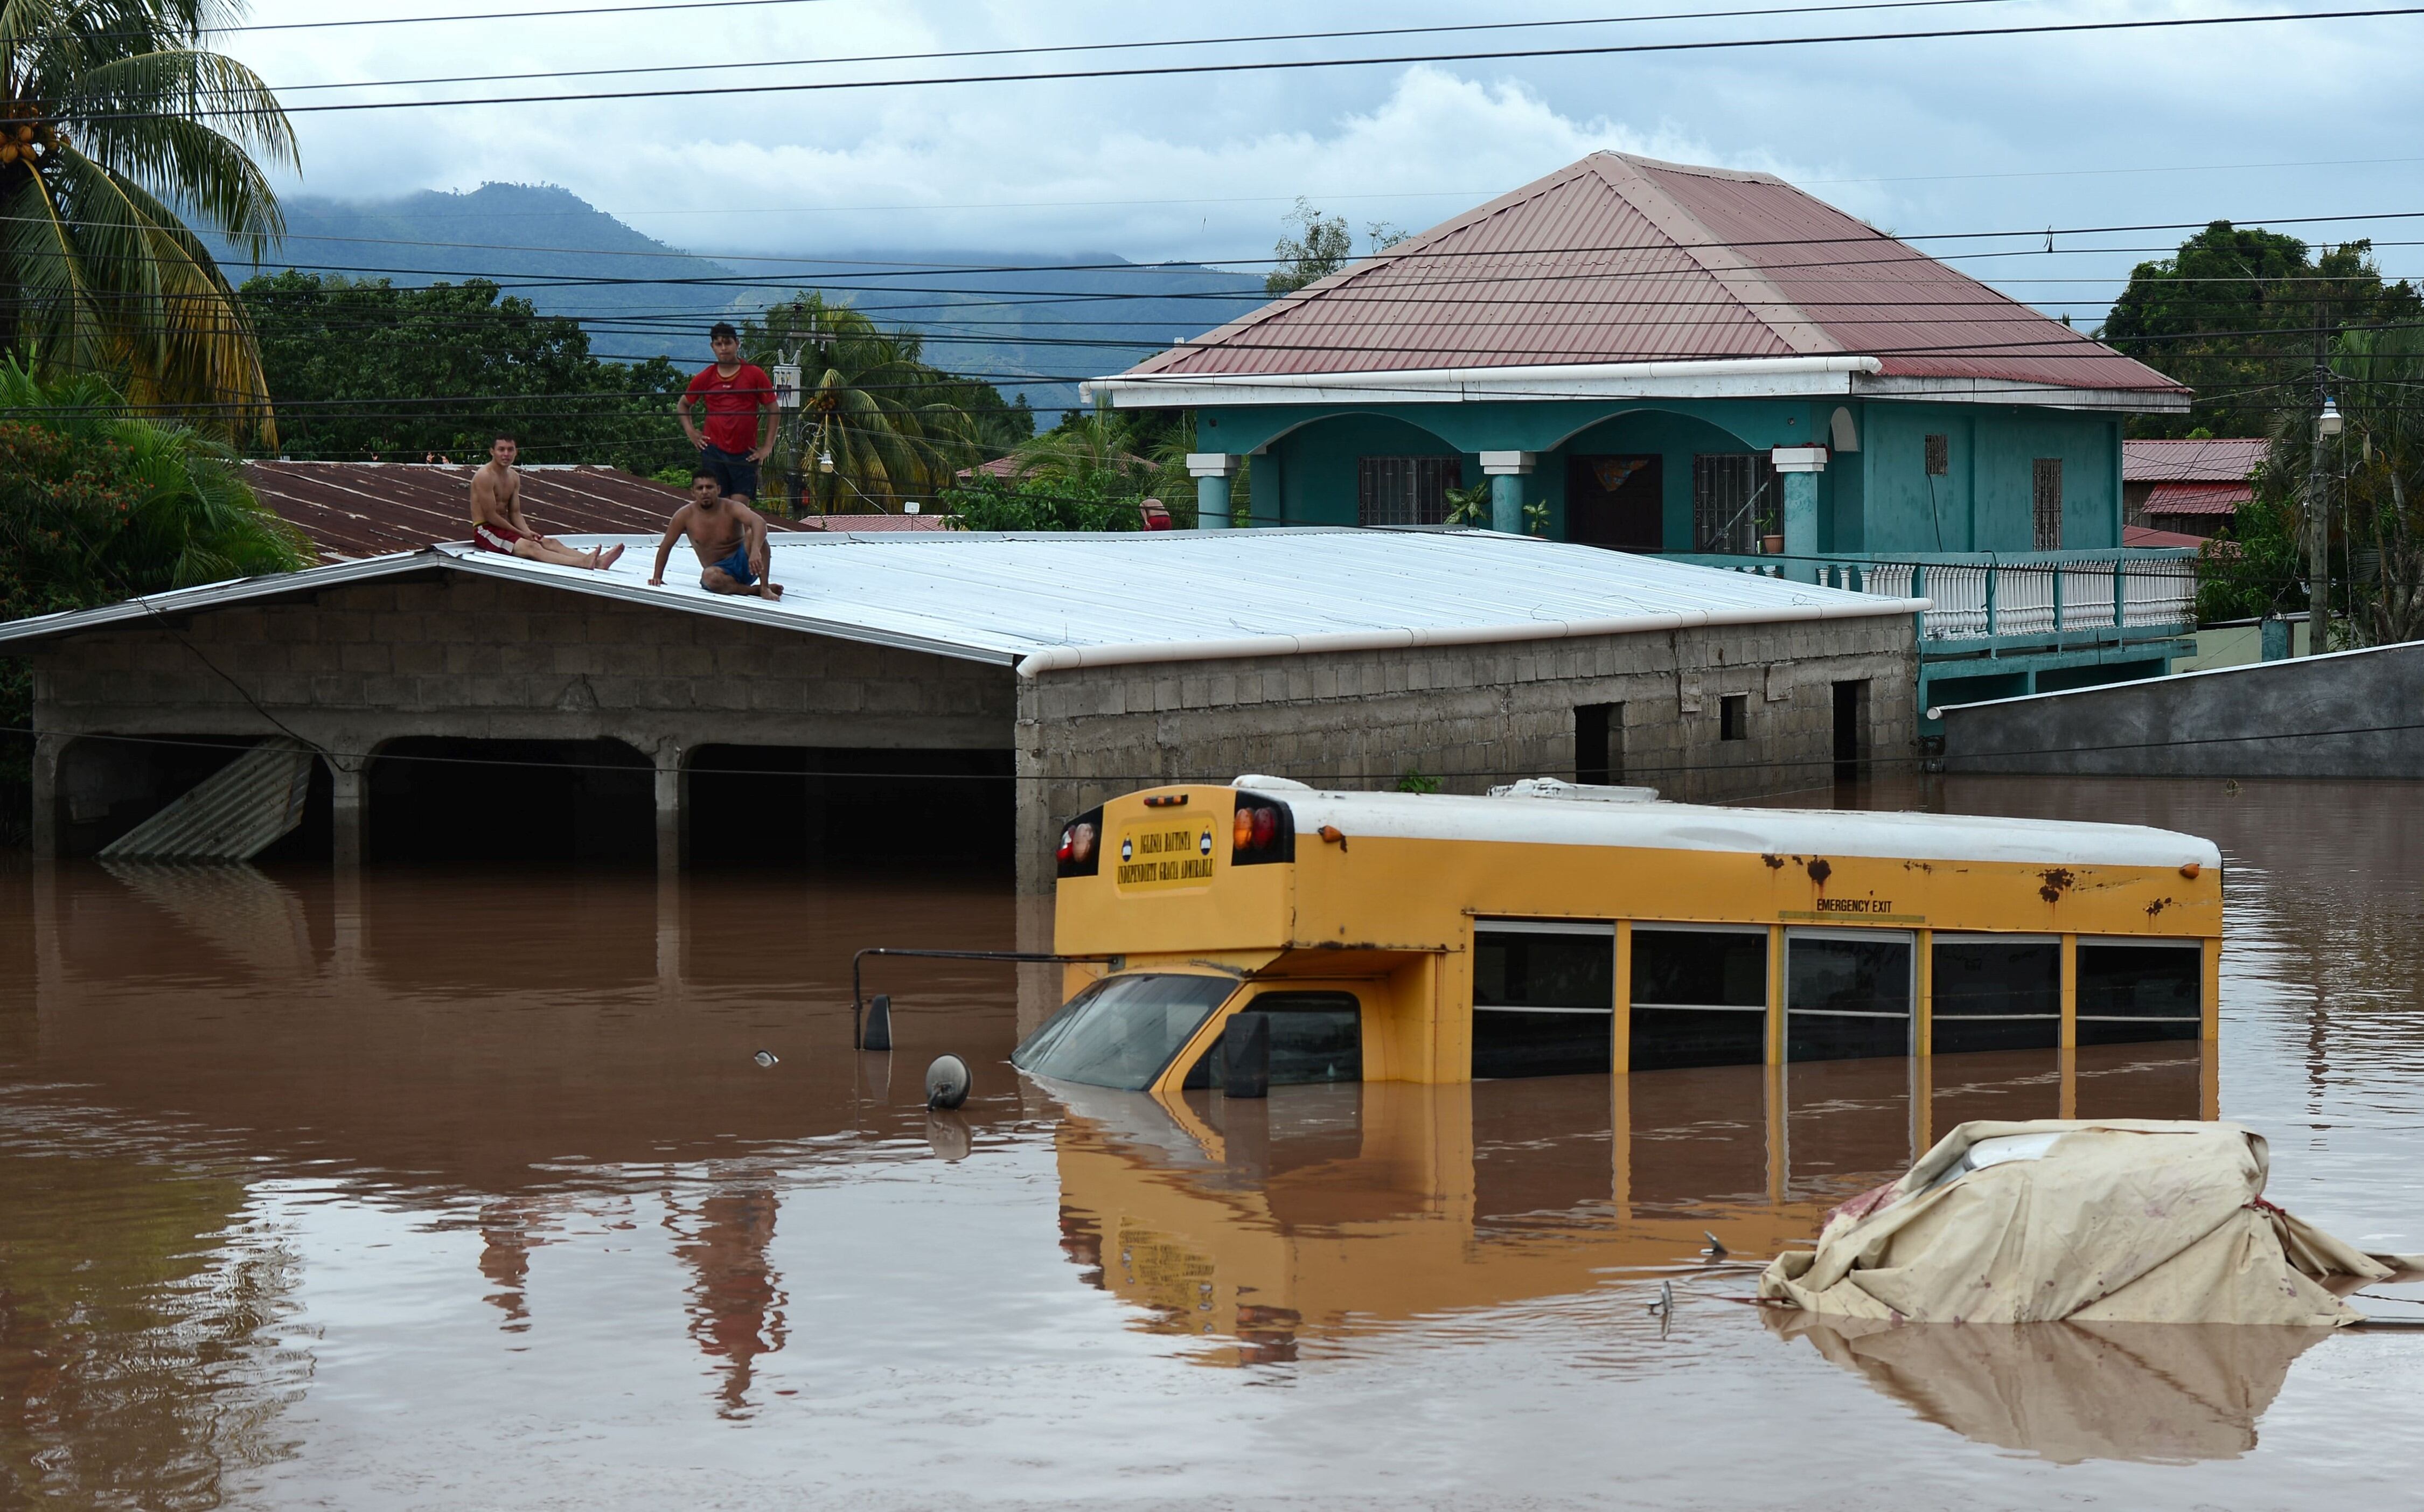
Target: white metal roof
[(1051, 600), (1754, 831)]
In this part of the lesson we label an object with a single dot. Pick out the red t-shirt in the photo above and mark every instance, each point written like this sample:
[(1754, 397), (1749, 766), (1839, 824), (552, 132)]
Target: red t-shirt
[(732, 405)]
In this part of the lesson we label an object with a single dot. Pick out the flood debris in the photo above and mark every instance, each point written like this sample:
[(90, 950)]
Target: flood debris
[(2119, 1220)]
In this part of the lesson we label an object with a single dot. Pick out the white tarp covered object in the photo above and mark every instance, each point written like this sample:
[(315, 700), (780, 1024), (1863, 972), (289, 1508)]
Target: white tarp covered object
[(2115, 1220)]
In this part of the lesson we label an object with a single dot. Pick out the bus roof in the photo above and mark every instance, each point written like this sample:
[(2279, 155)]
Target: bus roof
[(1665, 826)]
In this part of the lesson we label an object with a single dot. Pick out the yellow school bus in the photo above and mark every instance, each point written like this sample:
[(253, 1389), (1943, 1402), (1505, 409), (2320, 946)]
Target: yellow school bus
[(1553, 929)]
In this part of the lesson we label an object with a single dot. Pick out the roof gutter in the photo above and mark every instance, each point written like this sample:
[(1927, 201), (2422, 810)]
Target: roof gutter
[(1066, 657), (1713, 377)]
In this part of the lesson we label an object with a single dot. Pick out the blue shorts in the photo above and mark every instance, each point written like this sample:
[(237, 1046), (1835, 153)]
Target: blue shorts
[(733, 471), (736, 566)]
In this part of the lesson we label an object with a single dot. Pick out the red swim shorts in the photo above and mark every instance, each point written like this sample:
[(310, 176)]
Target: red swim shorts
[(496, 537)]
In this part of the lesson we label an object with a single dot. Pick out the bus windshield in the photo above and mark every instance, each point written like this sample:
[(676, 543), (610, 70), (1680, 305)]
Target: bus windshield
[(1121, 1031)]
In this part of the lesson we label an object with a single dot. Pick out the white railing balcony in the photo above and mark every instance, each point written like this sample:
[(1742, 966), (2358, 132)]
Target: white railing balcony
[(1993, 600)]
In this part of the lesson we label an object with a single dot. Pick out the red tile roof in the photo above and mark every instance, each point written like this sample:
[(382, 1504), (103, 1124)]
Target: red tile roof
[(2220, 459), (849, 524), (2197, 498), (360, 509), (2142, 535), (1622, 258)]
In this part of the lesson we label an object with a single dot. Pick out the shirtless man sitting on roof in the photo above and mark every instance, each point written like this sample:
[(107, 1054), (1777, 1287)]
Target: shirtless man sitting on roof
[(729, 537), (497, 523)]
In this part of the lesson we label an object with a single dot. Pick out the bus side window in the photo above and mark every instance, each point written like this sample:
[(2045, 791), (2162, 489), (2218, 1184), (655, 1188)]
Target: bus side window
[(1315, 1037)]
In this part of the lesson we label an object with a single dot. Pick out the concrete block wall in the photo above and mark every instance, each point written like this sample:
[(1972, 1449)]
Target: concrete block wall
[(1468, 716), (454, 655)]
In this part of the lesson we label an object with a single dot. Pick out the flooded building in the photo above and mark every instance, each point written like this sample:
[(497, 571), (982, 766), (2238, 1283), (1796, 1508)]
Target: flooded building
[(1716, 365), (944, 698)]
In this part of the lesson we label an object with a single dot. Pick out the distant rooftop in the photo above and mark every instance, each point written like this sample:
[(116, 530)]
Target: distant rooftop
[(352, 510), (1047, 601), (1624, 260), (2220, 459)]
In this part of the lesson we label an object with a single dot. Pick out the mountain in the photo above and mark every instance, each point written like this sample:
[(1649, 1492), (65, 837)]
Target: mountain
[(1032, 324)]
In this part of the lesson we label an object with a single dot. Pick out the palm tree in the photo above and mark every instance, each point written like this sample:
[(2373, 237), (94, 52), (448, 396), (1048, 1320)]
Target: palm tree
[(114, 126), (869, 434)]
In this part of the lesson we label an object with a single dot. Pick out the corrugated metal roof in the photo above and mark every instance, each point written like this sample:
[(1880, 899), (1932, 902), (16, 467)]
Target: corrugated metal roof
[(2144, 536), (1050, 600), (2220, 459), (2197, 498), (350, 510), (1622, 258), (234, 814)]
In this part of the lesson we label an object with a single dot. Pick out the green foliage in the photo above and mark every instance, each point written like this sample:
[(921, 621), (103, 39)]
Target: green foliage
[(96, 506), (1469, 506), (990, 503), (1535, 517), (1321, 247), (1416, 781), (896, 428), (2256, 568), (120, 127), (2375, 481), (2233, 315), (363, 370)]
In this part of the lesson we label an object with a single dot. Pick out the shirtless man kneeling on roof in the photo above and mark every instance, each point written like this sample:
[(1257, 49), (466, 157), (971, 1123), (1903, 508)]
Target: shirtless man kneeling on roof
[(497, 523), (729, 537)]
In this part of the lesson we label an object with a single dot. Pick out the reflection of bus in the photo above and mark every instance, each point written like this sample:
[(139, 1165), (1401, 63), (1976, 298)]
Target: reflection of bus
[(1552, 928), (1326, 1211)]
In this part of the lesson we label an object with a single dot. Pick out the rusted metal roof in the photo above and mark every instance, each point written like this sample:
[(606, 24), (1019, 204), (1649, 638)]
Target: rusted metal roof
[(351, 510), (2220, 459), (2142, 535), (1620, 259), (2197, 498)]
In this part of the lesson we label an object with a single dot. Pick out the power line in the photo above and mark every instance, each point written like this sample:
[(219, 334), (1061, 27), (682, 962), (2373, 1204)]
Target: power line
[(1290, 65), (1133, 46), (496, 15)]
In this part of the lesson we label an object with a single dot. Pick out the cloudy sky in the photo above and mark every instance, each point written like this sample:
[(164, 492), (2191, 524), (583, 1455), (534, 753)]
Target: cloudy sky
[(1979, 133)]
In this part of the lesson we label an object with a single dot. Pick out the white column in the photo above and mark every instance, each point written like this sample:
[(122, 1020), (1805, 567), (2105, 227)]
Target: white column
[(1212, 471), (1798, 468), (1506, 471)]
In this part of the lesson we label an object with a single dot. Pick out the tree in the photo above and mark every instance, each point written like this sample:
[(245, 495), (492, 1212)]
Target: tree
[(118, 123), (877, 426), (363, 369), (2233, 315), (1320, 248), (97, 506)]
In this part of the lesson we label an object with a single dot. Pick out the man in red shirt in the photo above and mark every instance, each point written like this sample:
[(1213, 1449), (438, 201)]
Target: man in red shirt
[(736, 394)]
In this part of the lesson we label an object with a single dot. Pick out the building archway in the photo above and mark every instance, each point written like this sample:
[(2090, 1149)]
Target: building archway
[(834, 808), (1359, 468), (108, 784), (1652, 479), (441, 798)]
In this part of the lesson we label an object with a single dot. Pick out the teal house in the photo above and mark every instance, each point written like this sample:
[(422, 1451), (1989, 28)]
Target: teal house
[(1710, 365)]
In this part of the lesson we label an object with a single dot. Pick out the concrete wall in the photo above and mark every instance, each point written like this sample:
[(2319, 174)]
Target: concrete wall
[(453, 655), (1470, 716), (2311, 717)]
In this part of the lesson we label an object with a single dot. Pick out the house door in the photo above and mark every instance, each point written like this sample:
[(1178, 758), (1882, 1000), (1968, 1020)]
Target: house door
[(1616, 500)]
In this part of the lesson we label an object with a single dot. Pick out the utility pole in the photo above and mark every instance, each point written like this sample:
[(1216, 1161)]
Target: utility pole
[(2319, 520)]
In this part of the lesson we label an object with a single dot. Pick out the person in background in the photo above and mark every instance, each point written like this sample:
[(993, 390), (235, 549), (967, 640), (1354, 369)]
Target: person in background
[(498, 525), (729, 537), (1157, 514), (736, 396)]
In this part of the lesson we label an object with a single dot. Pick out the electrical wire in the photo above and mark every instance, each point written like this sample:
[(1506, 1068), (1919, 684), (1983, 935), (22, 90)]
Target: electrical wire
[(1294, 65)]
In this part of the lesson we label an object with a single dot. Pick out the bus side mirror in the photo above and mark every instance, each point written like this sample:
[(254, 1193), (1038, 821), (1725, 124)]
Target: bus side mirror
[(1246, 1052)]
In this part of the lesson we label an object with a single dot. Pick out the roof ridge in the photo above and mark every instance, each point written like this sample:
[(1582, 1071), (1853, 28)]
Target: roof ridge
[(1759, 295)]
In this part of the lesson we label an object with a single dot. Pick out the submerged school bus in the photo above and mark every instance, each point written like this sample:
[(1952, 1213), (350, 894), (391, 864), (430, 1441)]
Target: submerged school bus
[(1551, 928)]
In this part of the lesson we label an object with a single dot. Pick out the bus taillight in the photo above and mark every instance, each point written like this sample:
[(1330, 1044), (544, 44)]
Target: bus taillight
[(1263, 831)]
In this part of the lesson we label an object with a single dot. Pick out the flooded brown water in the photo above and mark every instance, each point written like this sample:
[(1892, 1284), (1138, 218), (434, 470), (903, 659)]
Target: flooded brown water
[(463, 1189)]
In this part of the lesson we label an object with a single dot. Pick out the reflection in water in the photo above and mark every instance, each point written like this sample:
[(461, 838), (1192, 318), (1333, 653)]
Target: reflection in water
[(2070, 1392), (735, 1300), (1323, 1212), (442, 1188)]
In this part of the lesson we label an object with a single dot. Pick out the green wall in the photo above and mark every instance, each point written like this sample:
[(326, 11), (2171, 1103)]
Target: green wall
[(1875, 500)]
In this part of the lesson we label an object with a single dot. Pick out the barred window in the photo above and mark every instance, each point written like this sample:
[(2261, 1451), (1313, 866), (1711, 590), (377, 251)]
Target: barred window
[(1939, 455), (2047, 493), (1405, 491), (1734, 500)]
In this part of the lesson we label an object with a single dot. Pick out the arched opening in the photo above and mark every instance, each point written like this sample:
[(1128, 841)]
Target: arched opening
[(1360, 468), (839, 808), (432, 798), (109, 783), (1658, 480)]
